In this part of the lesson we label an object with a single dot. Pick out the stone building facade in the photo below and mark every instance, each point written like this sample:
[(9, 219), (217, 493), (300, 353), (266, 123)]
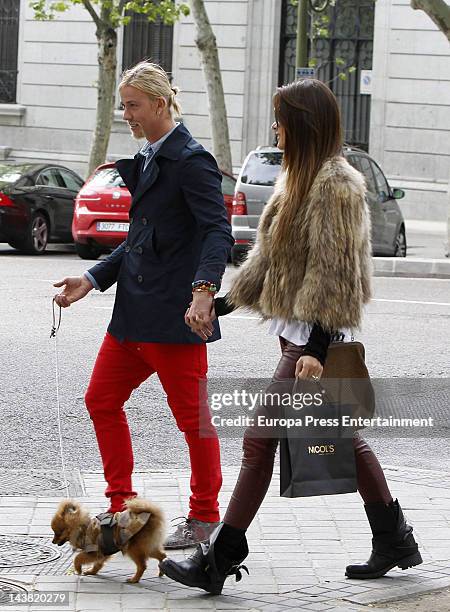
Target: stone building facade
[(52, 113)]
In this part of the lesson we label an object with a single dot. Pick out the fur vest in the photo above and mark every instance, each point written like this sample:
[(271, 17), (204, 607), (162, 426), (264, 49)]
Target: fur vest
[(321, 271)]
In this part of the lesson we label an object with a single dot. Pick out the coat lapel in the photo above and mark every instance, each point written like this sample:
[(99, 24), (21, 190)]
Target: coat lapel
[(146, 181), (129, 170)]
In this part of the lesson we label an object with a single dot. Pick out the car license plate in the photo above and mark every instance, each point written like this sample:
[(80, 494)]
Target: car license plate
[(111, 226)]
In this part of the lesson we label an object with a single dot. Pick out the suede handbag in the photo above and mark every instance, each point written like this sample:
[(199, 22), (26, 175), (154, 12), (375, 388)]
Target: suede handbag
[(346, 378)]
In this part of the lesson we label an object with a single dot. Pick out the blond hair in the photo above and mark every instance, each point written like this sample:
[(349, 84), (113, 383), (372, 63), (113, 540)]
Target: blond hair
[(152, 80)]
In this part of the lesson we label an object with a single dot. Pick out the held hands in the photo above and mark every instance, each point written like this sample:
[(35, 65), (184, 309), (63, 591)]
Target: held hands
[(200, 314), (308, 367), (75, 288)]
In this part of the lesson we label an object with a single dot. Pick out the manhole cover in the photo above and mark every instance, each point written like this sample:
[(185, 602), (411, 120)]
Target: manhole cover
[(21, 552), (33, 555), (8, 590), (47, 483)]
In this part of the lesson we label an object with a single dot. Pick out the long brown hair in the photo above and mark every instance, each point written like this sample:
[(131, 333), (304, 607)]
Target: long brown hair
[(309, 114)]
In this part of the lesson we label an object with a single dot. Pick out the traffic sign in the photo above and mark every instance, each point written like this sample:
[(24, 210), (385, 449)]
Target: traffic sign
[(302, 73)]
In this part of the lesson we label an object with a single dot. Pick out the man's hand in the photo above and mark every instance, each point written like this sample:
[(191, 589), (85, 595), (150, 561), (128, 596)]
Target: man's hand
[(75, 288), (200, 315), (308, 367)]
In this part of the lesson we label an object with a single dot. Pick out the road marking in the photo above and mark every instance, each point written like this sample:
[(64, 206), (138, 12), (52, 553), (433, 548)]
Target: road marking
[(411, 302), (373, 300), (228, 317), (412, 278)]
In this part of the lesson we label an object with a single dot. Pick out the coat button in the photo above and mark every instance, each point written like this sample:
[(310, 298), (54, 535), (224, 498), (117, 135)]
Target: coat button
[(127, 249), (139, 250), (140, 278), (144, 220)]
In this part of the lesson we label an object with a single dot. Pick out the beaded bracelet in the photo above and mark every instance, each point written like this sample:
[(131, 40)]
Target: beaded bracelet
[(203, 285)]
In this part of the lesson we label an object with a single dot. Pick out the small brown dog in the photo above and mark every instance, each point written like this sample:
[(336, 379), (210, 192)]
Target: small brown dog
[(138, 532)]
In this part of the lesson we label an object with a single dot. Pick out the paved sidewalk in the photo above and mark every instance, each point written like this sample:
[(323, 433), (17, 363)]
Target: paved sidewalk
[(427, 245), (299, 549)]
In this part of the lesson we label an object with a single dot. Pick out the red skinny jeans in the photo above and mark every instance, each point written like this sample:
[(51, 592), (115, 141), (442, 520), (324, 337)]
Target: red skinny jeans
[(119, 369)]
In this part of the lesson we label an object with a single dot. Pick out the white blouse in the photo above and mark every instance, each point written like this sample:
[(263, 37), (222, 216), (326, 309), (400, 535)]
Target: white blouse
[(298, 332)]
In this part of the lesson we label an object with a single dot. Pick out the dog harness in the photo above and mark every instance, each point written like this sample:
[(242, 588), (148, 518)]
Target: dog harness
[(109, 533)]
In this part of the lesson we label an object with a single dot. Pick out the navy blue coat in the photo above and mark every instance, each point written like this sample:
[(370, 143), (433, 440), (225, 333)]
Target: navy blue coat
[(178, 233)]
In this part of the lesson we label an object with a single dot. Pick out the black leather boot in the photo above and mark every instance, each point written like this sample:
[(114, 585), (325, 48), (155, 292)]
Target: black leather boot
[(207, 568), (393, 543)]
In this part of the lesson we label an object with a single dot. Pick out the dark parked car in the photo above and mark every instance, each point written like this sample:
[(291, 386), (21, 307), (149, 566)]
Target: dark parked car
[(255, 185), (100, 220), (36, 205)]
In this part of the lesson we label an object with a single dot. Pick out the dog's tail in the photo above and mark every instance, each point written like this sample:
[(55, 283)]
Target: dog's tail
[(155, 523), (138, 505)]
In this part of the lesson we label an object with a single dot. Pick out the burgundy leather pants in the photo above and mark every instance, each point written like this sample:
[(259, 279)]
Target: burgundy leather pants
[(259, 455)]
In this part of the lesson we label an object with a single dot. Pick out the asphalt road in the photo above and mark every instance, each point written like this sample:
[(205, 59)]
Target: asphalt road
[(406, 329)]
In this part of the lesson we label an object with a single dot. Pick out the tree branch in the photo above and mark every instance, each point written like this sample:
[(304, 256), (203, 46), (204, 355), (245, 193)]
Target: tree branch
[(90, 9), (438, 11)]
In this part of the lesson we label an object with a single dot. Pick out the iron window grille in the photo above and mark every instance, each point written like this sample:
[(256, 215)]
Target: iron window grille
[(143, 39), (349, 39), (9, 42)]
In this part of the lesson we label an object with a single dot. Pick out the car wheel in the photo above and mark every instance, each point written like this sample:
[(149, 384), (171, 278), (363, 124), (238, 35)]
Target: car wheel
[(400, 243), (36, 238), (87, 251)]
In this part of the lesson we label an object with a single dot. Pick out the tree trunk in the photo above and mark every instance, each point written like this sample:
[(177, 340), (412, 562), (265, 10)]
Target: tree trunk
[(438, 11), (107, 64), (206, 44)]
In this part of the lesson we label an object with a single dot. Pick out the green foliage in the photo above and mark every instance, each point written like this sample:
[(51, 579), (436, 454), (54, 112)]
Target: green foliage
[(167, 10), (114, 12), (46, 10), (344, 75)]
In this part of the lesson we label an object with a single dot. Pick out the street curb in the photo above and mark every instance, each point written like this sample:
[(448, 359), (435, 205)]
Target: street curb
[(413, 268), (399, 593)]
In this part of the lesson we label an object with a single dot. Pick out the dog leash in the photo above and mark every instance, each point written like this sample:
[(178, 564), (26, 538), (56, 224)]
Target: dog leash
[(54, 334)]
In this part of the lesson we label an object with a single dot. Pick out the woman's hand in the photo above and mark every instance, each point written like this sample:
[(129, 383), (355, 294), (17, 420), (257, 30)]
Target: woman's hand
[(308, 367)]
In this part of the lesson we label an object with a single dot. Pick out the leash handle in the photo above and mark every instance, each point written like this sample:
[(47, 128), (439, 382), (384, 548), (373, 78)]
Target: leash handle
[(55, 327)]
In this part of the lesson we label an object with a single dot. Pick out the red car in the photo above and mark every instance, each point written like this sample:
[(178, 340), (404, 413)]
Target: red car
[(100, 220)]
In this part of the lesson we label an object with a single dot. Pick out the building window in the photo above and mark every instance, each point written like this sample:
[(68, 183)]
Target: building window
[(9, 41), (143, 39), (349, 39)]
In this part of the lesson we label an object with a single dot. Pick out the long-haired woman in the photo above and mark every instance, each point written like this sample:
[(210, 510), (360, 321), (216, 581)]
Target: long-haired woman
[(309, 272)]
